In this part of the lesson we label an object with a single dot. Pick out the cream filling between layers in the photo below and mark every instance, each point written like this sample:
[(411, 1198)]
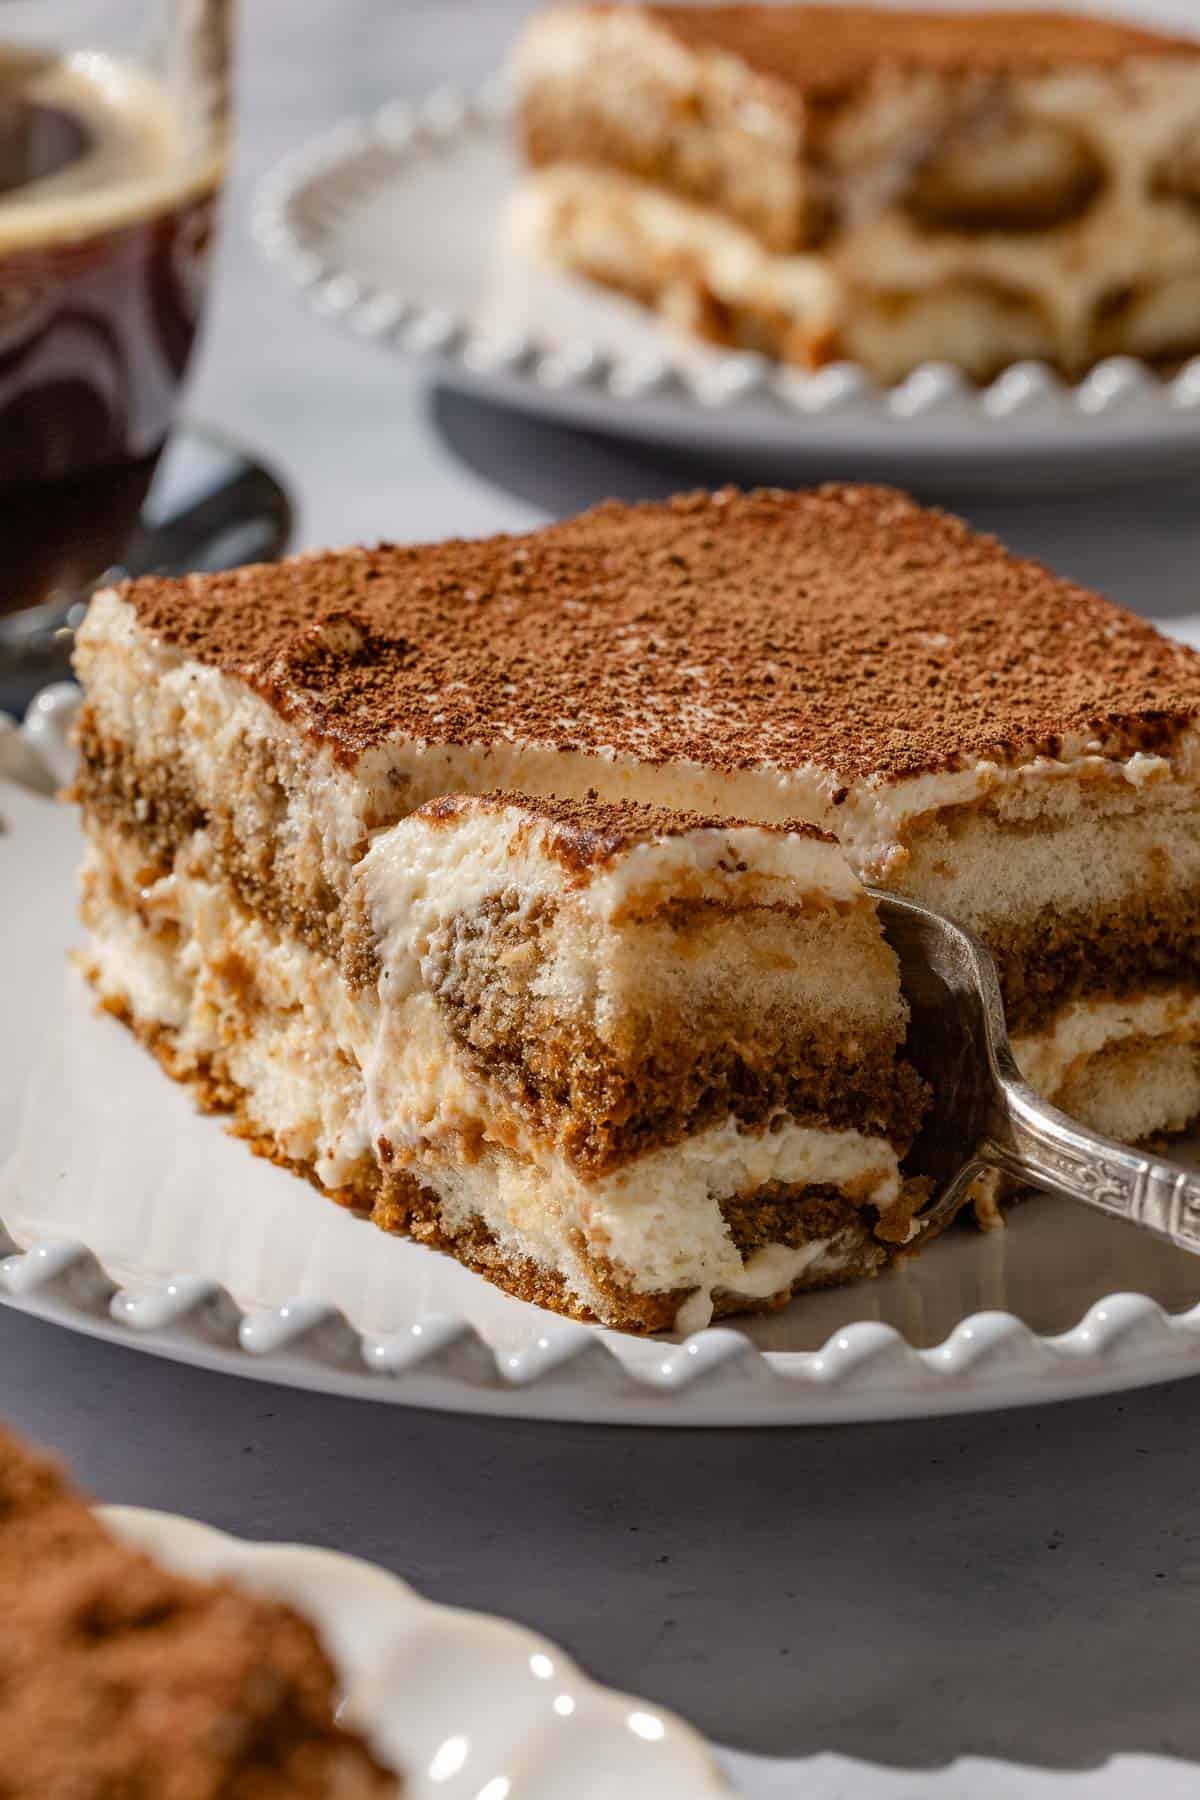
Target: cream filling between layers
[(566, 45), (886, 289), (235, 993), (215, 731), (1084, 1029), (328, 1075), (1127, 239), (422, 870), (868, 816), (657, 1219), (316, 1106)]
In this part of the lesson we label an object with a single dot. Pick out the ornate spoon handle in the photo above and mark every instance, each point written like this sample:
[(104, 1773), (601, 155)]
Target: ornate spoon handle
[(1035, 1142)]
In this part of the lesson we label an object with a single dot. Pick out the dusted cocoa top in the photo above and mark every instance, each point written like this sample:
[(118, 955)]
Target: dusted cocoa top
[(587, 834), (846, 629), (827, 51), (119, 1677)]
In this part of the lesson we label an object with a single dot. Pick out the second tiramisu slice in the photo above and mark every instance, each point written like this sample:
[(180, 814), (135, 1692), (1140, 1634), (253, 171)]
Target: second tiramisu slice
[(870, 182)]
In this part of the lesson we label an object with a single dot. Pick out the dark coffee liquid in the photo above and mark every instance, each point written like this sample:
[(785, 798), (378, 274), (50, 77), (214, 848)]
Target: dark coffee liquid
[(102, 269)]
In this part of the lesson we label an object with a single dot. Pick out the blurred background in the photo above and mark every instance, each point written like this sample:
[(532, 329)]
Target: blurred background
[(370, 449)]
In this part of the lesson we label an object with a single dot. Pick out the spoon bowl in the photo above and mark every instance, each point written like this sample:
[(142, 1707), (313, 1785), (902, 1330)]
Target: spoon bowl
[(983, 1115)]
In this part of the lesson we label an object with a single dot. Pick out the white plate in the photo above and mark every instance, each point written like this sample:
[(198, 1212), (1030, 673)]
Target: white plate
[(466, 1707), (390, 227), (141, 1220)]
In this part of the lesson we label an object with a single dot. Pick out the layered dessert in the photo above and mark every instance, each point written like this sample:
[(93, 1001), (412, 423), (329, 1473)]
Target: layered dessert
[(118, 1677), (885, 186), (426, 862)]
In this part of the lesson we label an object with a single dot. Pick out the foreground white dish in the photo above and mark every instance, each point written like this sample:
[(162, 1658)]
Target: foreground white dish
[(466, 1706), (437, 1684), (134, 1218), (347, 219)]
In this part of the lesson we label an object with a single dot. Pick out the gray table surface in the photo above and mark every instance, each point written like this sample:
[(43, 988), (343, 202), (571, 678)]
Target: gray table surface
[(1024, 1586)]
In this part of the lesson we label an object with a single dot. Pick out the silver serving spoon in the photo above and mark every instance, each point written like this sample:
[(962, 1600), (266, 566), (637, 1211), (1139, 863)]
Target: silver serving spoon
[(984, 1116)]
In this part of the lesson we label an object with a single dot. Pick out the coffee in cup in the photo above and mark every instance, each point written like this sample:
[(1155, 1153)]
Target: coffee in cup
[(108, 189)]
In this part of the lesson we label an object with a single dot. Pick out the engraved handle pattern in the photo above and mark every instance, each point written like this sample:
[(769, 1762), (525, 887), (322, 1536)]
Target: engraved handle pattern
[(1037, 1143)]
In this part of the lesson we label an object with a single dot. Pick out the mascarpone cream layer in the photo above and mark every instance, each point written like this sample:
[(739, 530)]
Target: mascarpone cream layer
[(1085, 1028), (658, 1221), (594, 213), (781, 924), (868, 820), (564, 45), (610, 224), (234, 992), (1127, 238), (657, 1218)]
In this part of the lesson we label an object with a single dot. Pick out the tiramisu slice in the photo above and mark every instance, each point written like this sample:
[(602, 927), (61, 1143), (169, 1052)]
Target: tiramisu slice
[(823, 182), (118, 1678), (972, 730)]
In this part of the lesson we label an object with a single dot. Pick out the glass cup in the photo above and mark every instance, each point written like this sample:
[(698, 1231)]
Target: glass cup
[(114, 120)]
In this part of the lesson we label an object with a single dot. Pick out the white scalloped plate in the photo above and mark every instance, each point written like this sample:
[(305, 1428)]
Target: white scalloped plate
[(465, 1706), (131, 1217), (390, 227)]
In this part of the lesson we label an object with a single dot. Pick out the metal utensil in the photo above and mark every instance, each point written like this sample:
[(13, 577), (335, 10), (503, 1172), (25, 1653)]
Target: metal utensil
[(984, 1116)]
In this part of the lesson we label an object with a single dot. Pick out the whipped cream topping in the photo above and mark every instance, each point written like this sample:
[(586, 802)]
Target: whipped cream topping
[(736, 266)]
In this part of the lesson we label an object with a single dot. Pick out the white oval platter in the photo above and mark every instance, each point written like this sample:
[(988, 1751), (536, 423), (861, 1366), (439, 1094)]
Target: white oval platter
[(464, 1706), (126, 1214), (391, 228)]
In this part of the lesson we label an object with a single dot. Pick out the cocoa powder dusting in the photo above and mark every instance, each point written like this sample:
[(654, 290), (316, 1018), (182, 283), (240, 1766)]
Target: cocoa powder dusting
[(825, 52), (846, 628), (586, 834)]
